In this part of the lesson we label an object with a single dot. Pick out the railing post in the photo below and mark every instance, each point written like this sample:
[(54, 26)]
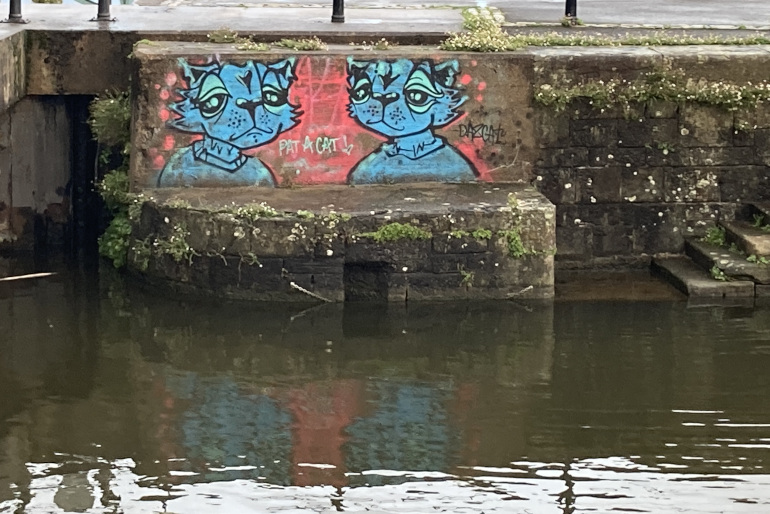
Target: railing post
[(103, 14), (570, 10), (14, 13), (338, 11)]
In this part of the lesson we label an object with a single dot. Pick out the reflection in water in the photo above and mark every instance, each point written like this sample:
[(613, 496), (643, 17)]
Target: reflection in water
[(112, 400)]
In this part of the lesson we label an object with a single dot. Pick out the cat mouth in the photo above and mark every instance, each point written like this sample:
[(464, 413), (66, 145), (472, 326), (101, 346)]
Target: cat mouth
[(249, 132), (383, 122)]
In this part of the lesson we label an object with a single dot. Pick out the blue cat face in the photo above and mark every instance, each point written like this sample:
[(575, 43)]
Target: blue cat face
[(243, 105), (402, 97)]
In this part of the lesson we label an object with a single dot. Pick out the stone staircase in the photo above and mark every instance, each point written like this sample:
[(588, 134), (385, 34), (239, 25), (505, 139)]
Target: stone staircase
[(732, 261)]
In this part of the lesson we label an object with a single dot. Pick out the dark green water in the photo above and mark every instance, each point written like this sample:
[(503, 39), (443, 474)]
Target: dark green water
[(119, 401)]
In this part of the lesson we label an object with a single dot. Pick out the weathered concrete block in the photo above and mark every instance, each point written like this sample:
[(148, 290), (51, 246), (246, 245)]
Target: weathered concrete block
[(642, 184), (701, 125), (624, 157), (559, 185), (661, 109), (743, 183), (563, 158), (449, 243), (588, 133), (642, 132), (465, 231), (599, 185), (692, 185)]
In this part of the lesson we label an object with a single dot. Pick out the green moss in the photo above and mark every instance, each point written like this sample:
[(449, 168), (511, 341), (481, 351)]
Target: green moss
[(307, 215), (659, 85), (248, 45), (397, 232), (176, 244), (516, 248), (482, 233), (223, 35), (254, 211), (140, 254), (113, 244), (715, 236), (110, 119), (718, 274), (307, 44), (459, 234), (468, 277), (113, 189)]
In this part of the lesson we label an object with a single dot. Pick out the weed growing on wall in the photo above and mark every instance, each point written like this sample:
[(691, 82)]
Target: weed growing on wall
[(312, 43), (715, 236), (663, 84), (397, 232), (110, 122), (484, 33)]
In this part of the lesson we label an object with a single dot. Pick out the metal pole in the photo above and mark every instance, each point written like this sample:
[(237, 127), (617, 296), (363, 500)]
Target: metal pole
[(338, 11), (570, 11), (103, 14), (14, 13)]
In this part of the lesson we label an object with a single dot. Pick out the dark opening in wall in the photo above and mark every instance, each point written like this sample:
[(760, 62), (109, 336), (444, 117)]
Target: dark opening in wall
[(366, 281)]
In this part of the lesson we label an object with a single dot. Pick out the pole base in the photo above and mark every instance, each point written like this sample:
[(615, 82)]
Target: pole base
[(14, 20), (106, 18), (338, 18)]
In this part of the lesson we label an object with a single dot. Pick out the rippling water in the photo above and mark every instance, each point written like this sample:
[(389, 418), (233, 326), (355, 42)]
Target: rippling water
[(114, 400)]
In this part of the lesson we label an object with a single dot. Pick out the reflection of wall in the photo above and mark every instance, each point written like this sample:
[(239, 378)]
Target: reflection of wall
[(409, 429), (223, 425)]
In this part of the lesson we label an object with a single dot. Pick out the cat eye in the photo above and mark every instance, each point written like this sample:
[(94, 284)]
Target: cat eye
[(419, 100), (361, 92), (212, 97), (420, 92), (417, 97), (274, 97), (213, 105)]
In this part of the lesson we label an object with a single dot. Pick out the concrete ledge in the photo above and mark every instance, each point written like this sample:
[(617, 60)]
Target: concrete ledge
[(689, 278), (477, 241)]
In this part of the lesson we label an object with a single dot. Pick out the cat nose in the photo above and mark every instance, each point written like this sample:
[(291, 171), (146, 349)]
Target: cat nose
[(248, 105), (385, 99)]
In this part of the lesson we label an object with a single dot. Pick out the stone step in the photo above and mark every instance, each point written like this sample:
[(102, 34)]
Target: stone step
[(758, 209), (733, 265), (749, 238), (694, 281)]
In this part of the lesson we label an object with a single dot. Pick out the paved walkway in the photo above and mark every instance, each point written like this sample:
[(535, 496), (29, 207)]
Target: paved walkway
[(423, 21)]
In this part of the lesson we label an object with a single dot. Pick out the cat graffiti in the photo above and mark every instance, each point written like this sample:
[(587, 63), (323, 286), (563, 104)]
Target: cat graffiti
[(405, 101), (235, 108)]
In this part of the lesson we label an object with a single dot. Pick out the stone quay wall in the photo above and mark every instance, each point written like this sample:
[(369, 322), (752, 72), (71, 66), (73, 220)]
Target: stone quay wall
[(626, 184)]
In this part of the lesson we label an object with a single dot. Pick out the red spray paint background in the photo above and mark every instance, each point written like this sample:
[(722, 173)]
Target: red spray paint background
[(327, 143)]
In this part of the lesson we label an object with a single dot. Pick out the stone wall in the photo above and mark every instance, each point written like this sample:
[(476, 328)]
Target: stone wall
[(13, 70), (625, 186), (628, 184)]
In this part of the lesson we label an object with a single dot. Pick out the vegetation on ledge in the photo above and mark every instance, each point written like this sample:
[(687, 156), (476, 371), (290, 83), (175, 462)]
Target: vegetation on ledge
[(664, 85), (484, 33), (397, 232)]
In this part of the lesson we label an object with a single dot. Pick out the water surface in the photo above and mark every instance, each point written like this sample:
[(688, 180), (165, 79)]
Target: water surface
[(117, 400)]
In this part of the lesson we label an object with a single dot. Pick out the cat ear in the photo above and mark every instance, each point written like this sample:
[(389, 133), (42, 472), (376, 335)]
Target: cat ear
[(354, 65), (285, 69), (194, 73), (445, 72)]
